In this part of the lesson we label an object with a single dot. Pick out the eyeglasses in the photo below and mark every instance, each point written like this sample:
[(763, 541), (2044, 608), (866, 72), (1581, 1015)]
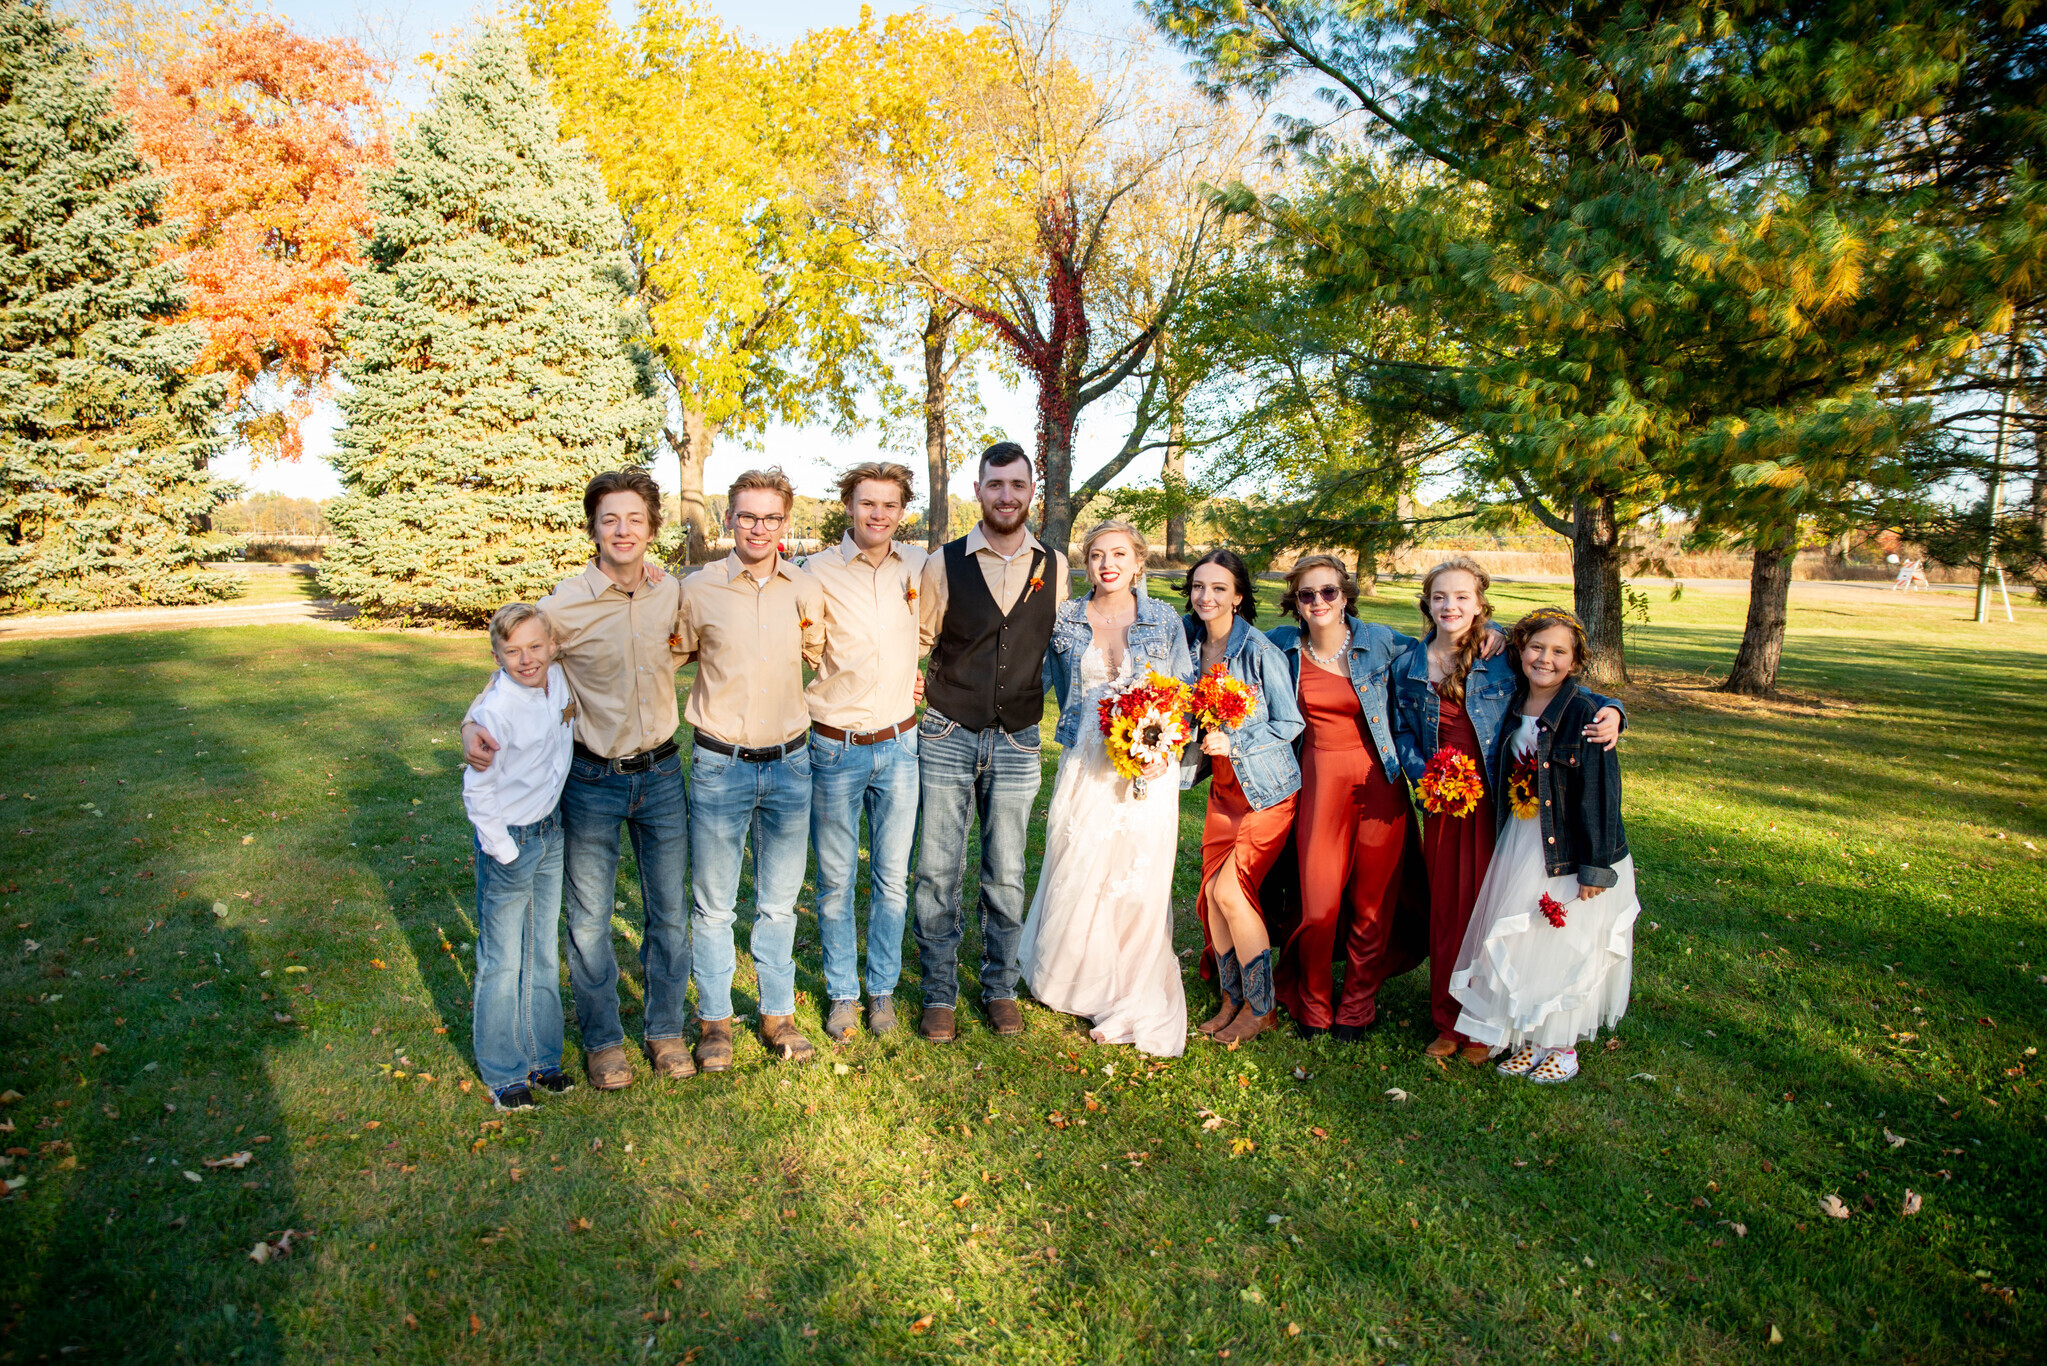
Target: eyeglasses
[(748, 521), (1330, 593)]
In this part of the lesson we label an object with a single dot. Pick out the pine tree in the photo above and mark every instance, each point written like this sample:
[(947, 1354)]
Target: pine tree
[(490, 367), (104, 440)]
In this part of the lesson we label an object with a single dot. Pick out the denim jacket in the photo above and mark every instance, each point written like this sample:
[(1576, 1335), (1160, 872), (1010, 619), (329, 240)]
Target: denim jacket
[(1374, 650), (1488, 694), (1262, 749), (1579, 784), (1155, 640)]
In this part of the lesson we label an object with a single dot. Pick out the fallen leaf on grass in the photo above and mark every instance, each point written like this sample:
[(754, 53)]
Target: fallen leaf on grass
[(475, 1325), (920, 1324), (1240, 1146), (961, 1203), (579, 1224), (1396, 1094), (1643, 1076), (248, 839), (1832, 1207), (1293, 1330), (1776, 1338), (376, 963), (233, 1161), (1895, 1140), (194, 1177), (466, 1084), (99, 1049), (1911, 1205), (411, 1321), (1319, 1133), (9, 1097)]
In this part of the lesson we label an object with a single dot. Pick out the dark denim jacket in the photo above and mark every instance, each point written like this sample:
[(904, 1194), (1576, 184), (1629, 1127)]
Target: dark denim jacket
[(1262, 749), (1374, 650), (1578, 782), (1488, 696), (1155, 640)]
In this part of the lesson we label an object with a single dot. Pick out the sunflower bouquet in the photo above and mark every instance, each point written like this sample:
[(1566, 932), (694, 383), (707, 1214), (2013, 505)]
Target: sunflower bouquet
[(1450, 785), (1145, 721), (1221, 701), (1521, 796)]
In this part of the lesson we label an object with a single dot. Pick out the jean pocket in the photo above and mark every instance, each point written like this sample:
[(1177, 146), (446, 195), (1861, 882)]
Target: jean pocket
[(706, 765), (932, 726), (586, 771), (826, 753), (1030, 740)]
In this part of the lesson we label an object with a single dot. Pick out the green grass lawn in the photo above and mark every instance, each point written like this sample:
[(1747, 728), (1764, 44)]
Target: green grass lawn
[(1842, 935)]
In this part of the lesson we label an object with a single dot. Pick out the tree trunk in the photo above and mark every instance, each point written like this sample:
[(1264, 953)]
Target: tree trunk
[(691, 453), (1055, 469), (937, 523), (1762, 638), (1596, 589), (1175, 479), (1368, 570)]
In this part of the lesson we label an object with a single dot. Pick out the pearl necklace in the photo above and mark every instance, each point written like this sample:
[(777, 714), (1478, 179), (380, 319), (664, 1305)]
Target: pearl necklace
[(1326, 661)]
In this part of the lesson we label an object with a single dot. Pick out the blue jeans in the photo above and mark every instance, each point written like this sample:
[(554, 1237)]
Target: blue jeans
[(965, 773), (845, 780), (656, 816), (730, 799), (518, 1026)]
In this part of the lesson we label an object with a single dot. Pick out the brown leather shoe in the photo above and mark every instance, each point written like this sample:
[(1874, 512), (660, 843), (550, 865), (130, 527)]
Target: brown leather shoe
[(1005, 1017), (608, 1068), (938, 1025), (714, 1045), (1443, 1046), (1247, 1026), (670, 1058), (1477, 1054), (1222, 1017), (784, 1039)]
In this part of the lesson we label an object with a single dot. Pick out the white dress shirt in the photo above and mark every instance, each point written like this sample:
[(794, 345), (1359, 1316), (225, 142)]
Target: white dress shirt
[(535, 731)]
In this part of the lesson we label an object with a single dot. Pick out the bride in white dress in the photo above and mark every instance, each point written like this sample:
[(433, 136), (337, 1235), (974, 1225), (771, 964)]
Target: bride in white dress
[(1098, 941)]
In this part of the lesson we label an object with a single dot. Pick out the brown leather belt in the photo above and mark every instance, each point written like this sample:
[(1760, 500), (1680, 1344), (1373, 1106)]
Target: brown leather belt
[(864, 737)]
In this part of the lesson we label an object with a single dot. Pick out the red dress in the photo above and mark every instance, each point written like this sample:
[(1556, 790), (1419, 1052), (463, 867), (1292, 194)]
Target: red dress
[(1256, 837), (1456, 850), (1351, 831)]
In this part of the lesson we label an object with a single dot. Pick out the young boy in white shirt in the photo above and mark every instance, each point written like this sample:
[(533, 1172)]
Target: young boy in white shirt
[(515, 807)]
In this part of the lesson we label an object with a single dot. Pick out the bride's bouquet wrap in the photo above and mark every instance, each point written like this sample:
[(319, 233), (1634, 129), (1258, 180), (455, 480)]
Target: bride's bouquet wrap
[(1146, 720)]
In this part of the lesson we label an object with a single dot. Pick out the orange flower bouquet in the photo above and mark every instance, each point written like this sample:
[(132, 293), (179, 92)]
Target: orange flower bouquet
[(1450, 785), (1221, 701), (1144, 722)]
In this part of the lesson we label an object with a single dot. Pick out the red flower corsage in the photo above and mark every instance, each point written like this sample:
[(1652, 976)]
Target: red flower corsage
[(910, 593), (675, 642), (1036, 584), (1552, 910)]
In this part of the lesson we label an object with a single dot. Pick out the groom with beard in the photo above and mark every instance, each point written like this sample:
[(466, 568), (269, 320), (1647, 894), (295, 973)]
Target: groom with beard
[(986, 613)]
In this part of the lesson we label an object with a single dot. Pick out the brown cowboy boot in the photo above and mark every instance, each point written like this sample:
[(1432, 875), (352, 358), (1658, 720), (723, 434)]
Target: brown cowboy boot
[(714, 1045), (784, 1039), (1230, 981), (1261, 1011)]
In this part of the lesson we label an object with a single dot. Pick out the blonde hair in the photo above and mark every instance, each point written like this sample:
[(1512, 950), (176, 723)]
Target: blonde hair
[(1452, 687), (881, 472), (1115, 526), (511, 617), (771, 479)]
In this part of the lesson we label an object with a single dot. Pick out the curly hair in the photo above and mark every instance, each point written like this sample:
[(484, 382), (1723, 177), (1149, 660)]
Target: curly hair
[(1233, 563), (1289, 602), (1451, 689), (1540, 620)]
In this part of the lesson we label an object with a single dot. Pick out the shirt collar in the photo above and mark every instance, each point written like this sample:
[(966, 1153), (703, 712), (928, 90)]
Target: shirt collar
[(977, 542), (598, 581), (734, 570), (849, 549)]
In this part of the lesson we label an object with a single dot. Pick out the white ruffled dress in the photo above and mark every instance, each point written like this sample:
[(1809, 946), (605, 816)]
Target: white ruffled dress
[(1519, 978)]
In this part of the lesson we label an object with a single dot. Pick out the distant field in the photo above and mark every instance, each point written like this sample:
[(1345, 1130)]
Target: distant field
[(1840, 990)]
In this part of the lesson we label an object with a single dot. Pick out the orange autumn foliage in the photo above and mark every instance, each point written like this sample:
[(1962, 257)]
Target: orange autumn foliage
[(265, 136)]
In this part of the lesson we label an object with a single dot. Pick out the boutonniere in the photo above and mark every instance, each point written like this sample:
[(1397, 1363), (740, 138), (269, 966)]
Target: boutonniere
[(1036, 583), (675, 642), (803, 622), (910, 594)]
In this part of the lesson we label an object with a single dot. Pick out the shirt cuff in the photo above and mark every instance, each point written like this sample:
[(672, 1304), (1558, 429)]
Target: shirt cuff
[(1592, 875)]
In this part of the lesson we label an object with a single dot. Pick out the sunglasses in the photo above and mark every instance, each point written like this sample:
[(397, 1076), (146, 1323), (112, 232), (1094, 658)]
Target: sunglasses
[(1304, 596)]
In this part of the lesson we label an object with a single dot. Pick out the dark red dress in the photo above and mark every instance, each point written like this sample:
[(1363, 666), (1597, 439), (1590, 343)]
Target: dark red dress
[(1350, 832), (1456, 850)]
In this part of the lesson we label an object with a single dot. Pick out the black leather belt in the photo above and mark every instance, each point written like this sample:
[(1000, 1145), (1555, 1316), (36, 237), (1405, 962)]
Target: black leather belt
[(765, 755), (628, 763), (864, 737)]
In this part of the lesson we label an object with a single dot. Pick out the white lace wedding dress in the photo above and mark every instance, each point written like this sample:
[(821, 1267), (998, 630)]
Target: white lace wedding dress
[(1099, 938)]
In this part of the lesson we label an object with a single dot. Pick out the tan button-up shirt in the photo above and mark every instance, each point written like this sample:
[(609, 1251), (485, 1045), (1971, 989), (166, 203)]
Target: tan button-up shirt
[(613, 645), (1007, 579), (871, 644), (750, 641)]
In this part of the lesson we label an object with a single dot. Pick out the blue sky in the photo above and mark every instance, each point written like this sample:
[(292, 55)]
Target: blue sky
[(810, 455)]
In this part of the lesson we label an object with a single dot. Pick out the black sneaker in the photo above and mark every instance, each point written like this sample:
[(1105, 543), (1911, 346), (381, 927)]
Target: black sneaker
[(551, 1079), (517, 1096)]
